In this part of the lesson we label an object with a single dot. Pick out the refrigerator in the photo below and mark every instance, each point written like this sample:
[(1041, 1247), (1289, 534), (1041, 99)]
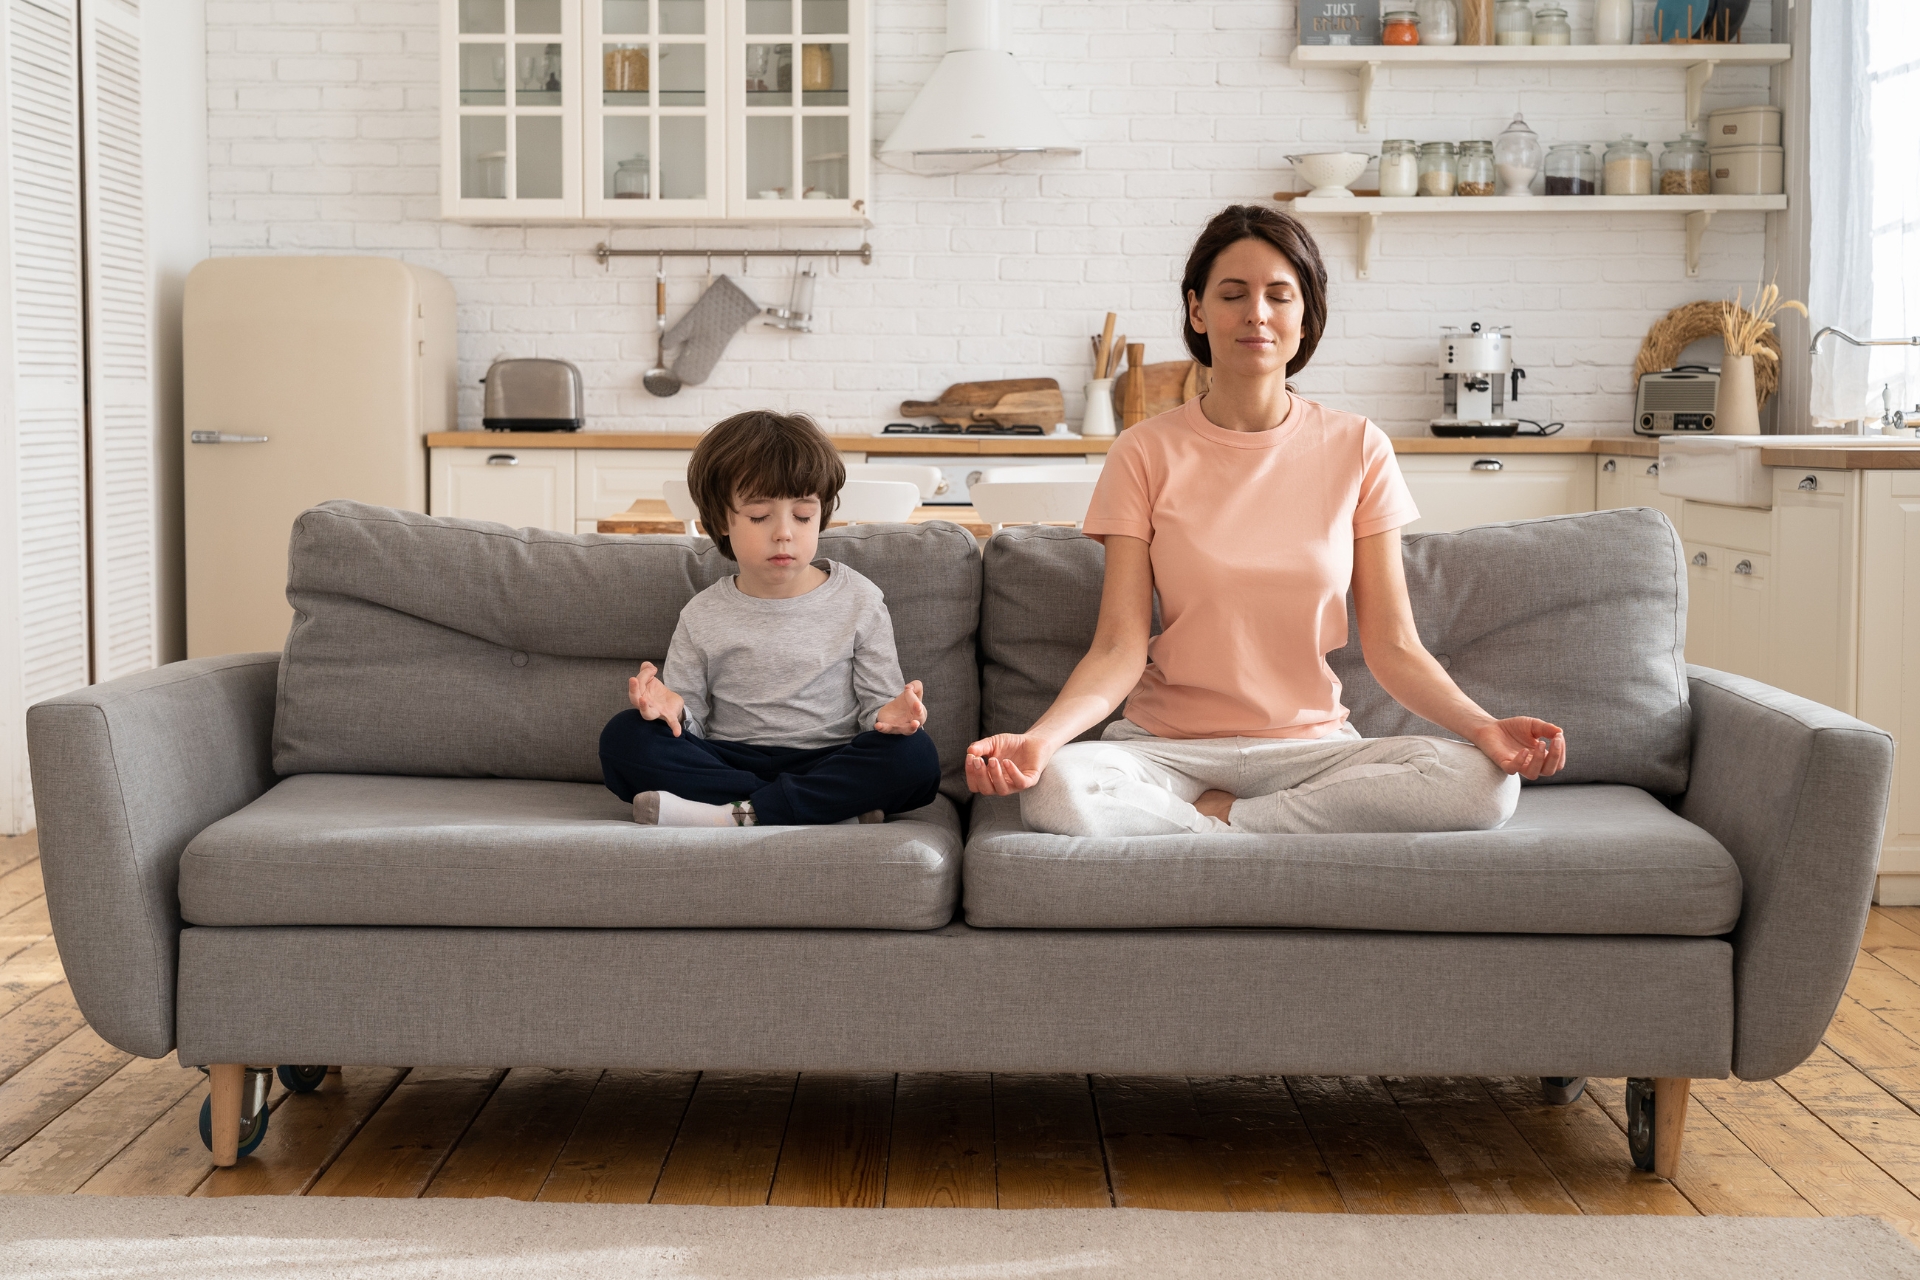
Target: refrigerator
[(305, 379)]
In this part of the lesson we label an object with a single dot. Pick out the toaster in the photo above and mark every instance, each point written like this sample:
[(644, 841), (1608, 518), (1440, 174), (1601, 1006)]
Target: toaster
[(532, 395), (1676, 401)]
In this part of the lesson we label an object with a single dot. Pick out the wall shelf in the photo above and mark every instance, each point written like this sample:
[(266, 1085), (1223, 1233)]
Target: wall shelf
[(1365, 60), (1699, 211)]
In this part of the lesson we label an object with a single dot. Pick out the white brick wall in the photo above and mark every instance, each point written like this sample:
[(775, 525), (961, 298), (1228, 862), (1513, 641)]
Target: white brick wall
[(324, 138)]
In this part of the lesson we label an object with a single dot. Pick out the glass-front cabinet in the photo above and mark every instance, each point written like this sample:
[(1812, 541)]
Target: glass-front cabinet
[(655, 110)]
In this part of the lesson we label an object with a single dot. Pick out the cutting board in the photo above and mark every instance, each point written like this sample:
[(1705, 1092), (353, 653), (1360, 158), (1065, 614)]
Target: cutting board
[(1008, 401), (1169, 386)]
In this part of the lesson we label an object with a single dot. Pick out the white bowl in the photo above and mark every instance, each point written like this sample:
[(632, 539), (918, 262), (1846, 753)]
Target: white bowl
[(1329, 172)]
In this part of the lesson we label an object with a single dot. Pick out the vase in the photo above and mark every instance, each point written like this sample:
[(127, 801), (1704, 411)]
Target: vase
[(1099, 418), (1736, 409)]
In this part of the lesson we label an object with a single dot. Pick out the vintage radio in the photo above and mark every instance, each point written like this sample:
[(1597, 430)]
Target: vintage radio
[(1676, 401)]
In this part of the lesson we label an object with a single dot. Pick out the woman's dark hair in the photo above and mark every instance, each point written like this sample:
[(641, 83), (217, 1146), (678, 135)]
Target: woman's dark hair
[(762, 454), (1239, 222)]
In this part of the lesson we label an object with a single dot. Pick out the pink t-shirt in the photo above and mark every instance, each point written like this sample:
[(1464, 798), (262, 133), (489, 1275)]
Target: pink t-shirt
[(1251, 535)]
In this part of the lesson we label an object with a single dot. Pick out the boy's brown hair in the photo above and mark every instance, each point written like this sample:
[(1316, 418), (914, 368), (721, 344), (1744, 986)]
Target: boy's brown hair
[(762, 454)]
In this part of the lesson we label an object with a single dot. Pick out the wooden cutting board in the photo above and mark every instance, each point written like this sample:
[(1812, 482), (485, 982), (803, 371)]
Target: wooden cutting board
[(1169, 386), (1007, 401)]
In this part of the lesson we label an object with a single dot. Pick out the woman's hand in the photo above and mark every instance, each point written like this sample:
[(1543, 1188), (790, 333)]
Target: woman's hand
[(1006, 763), (1523, 745), (905, 714), (653, 700)]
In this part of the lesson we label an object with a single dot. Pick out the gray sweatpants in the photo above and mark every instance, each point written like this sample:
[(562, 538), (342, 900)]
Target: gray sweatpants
[(1131, 783)]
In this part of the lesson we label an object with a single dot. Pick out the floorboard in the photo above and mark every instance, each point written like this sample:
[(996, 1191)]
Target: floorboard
[(57, 1079), (940, 1152), (167, 1158), (1874, 1122), (306, 1134), (80, 1141), (20, 887), (1046, 1144), (18, 851), (1586, 1152), (40, 1022), (512, 1144), (834, 1155), (1155, 1144), (729, 1140), (30, 970), (397, 1152), (1377, 1160), (1487, 1164), (616, 1152), (1253, 1133)]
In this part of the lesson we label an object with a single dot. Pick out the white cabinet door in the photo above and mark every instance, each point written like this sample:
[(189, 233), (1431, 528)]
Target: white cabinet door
[(1748, 616), (655, 132), (510, 92), (797, 108), (1457, 490), (1889, 680), (1706, 604), (524, 488), (1621, 481), (608, 481), (1815, 545)]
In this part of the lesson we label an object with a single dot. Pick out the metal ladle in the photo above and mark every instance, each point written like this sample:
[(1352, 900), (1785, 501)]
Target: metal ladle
[(660, 380)]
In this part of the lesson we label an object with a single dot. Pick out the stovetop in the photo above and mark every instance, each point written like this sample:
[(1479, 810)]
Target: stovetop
[(970, 429)]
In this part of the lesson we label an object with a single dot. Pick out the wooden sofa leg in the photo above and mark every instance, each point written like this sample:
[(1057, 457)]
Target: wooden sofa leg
[(1669, 1122), (228, 1079)]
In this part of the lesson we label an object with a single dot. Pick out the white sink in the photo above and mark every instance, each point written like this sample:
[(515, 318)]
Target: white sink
[(1727, 470)]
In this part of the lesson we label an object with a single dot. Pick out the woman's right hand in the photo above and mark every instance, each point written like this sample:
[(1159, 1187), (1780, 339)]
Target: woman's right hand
[(1006, 763), (653, 700)]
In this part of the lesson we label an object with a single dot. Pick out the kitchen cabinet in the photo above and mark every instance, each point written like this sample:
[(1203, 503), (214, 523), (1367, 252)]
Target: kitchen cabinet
[(1621, 481), (1815, 632), (524, 488), (1729, 574), (1455, 490), (655, 110), (1888, 679), (608, 481)]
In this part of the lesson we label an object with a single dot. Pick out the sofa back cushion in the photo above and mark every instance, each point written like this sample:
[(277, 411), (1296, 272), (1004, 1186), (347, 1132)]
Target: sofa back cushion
[(1576, 619), (457, 648)]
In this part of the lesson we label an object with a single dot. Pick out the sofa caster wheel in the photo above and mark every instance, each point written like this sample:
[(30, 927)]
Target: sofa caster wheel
[(252, 1132), (1559, 1091), (301, 1079), (233, 1119), (1640, 1122)]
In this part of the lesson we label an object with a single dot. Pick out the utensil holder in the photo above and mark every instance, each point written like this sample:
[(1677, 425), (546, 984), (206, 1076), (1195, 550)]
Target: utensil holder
[(1099, 417)]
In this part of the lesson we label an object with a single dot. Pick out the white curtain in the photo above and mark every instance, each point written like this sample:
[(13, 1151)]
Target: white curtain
[(1840, 178), (1893, 77)]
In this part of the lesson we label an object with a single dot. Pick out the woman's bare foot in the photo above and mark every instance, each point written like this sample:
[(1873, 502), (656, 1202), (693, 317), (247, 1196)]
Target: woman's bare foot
[(1216, 804)]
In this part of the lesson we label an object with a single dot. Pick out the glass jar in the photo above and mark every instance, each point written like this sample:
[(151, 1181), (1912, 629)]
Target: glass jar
[(1476, 21), (1550, 26), (631, 181), (1439, 22), (1516, 158), (1476, 169), (1684, 168), (1512, 22), (493, 174), (1572, 170), (1613, 21), (1399, 167), (1437, 169), (1629, 168), (1402, 26)]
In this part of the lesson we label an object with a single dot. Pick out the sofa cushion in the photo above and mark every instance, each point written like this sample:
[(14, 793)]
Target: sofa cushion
[(457, 648), (1583, 859), (346, 849), (1576, 619)]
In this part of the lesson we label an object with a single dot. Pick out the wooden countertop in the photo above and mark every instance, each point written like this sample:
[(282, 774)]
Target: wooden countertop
[(1866, 457), (966, 446), (650, 515)]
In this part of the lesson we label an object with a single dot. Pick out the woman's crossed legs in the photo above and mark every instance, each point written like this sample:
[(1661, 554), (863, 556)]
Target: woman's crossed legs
[(1131, 783)]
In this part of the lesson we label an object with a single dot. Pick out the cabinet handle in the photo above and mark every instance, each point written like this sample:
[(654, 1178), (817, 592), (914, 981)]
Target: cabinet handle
[(1653, 468), (224, 437), (1700, 558), (502, 460), (1488, 464), (1745, 566), (1810, 482), (1609, 465)]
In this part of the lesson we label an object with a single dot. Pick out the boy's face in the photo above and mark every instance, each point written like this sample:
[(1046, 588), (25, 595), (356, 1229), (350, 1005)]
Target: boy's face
[(774, 539)]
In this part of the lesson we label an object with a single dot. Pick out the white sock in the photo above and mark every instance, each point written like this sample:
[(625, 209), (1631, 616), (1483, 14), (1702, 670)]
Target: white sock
[(675, 811)]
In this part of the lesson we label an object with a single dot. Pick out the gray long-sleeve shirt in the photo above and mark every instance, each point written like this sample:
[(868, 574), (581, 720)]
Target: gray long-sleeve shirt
[(810, 671)]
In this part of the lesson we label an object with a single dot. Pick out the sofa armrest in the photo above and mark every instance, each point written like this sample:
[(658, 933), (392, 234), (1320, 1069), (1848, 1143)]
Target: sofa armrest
[(1797, 793), (124, 775)]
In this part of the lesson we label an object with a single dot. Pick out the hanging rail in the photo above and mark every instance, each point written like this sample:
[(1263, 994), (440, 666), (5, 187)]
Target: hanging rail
[(605, 252)]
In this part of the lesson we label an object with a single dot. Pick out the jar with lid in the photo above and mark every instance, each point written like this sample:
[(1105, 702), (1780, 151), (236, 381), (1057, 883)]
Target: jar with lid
[(1516, 158), (1438, 171), (1684, 167), (1512, 22), (1613, 21), (1550, 26), (1629, 168), (1439, 22), (1476, 169), (1400, 26), (493, 174), (1399, 167), (1572, 170), (631, 181)]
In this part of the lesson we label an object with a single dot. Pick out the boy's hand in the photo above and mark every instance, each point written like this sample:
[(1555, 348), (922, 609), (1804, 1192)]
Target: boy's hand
[(905, 714), (653, 700)]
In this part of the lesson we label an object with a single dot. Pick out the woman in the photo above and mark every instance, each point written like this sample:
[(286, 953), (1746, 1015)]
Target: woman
[(1252, 511)]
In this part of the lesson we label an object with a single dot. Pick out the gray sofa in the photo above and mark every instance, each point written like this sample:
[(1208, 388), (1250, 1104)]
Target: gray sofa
[(390, 844)]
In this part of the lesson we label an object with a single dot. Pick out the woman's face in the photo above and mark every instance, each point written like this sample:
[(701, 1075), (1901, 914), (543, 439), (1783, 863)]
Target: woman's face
[(1251, 312)]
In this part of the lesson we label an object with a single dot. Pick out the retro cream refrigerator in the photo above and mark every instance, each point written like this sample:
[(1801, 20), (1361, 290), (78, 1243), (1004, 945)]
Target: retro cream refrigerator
[(305, 379)]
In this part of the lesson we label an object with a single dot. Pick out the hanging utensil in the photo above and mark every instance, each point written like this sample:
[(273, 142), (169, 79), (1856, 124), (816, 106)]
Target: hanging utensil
[(660, 380)]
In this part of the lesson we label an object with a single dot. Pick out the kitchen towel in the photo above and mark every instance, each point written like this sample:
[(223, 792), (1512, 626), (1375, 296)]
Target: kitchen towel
[(703, 333)]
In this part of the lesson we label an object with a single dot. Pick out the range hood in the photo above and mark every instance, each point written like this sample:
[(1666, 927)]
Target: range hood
[(978, 101)]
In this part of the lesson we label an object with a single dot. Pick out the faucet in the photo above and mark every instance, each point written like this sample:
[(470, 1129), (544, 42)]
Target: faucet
[(1814, 350)]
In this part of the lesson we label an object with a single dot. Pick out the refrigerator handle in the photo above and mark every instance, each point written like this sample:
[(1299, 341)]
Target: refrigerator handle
[(224, 437)]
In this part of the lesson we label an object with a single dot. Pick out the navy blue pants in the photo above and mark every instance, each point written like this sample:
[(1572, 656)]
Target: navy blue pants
[(788, 785)]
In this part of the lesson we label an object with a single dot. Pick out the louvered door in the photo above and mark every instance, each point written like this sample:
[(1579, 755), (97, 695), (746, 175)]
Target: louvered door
[(119, 345), (43, 507)]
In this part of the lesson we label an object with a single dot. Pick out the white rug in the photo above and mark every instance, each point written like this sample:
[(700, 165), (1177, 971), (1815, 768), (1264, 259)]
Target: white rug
[(260, 1238)]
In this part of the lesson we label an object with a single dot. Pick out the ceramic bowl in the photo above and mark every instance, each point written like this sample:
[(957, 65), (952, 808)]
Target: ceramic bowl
[(1329, 172)]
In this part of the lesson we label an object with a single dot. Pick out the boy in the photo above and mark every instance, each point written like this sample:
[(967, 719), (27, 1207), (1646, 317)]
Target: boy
[(782, 700)]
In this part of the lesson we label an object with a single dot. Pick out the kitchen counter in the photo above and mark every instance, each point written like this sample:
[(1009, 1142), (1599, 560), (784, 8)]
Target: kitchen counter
[(950, 446), (1887, 455)]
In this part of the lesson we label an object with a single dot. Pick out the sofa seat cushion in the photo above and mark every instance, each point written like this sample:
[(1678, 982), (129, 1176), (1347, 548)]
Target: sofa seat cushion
[(1597, 859), (354, 849)]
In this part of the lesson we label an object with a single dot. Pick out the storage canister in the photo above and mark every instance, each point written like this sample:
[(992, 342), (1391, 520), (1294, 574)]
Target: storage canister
[(1629, 168), (1748, 171), (1756, 126), (1684, 168), (1439, 22), (1572, 170), (1550, 26), (1516, 158), (1512, 22), (1401, 26), (1437, 169), (1400, 167), (1475, 169)]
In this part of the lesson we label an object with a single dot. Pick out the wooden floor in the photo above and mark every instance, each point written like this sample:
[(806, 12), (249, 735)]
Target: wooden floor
[(1838, 1136)]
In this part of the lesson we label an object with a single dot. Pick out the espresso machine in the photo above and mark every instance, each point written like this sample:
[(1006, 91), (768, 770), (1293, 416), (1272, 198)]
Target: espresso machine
[(1478, 378)]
